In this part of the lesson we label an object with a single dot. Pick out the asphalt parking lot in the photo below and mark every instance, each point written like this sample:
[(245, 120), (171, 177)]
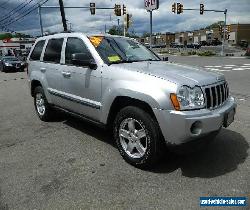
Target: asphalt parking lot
[(69, 164)]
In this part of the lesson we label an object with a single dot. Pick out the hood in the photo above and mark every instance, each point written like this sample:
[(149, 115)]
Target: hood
[(177, 73), (13, 62)]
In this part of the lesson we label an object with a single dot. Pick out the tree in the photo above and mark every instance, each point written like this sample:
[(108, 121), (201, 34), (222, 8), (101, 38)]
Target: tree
[(146, 34), (215, 25), (115, 30)]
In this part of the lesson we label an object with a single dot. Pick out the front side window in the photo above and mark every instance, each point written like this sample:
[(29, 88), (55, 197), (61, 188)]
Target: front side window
[(36, 53), (120, 50), (75, 46), (53, 51)]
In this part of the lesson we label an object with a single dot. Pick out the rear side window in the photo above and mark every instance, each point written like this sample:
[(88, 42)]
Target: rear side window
[(53, 51), (36, 53), (75, 45)]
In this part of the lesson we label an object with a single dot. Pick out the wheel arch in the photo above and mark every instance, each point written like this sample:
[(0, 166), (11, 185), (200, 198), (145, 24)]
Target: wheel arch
[(121, 102)]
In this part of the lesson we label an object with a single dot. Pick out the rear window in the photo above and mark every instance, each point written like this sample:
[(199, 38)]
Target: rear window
[(36, 53), (53, 51)]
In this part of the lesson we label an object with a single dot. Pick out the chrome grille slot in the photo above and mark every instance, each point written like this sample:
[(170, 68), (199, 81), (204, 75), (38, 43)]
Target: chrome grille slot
[(216, 95)]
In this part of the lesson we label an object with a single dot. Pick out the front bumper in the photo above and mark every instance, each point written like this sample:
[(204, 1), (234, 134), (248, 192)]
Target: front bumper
[(178, 126), (13, 68)]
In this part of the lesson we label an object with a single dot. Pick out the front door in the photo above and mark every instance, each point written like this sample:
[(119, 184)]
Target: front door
[(81, 85)]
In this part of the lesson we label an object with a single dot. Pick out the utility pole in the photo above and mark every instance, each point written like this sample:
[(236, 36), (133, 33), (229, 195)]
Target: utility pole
[(40, 18), (224, 33), (63, 16), (151, 28)]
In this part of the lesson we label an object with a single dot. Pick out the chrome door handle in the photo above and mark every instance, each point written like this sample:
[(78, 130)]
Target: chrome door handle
[(42, 70), (66, 74)]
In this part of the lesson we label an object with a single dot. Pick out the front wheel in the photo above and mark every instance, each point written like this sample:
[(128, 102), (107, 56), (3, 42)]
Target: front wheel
[(42, 106), (137, 137)]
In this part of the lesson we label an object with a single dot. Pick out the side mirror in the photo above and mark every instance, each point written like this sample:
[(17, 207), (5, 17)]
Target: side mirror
[(83, 59)]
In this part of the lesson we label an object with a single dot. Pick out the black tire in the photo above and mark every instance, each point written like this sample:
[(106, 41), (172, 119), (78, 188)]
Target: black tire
[(153, 139), (47, 116)]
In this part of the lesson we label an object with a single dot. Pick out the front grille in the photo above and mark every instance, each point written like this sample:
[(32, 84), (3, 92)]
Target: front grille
[(216, 95), (18, 65)]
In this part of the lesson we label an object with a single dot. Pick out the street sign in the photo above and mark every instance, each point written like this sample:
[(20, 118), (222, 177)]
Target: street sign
[(151, 5)]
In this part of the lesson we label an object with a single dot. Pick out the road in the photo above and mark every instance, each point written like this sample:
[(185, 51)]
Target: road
[(69, 164)]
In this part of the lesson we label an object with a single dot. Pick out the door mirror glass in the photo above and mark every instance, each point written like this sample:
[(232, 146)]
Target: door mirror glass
[(83, 59)]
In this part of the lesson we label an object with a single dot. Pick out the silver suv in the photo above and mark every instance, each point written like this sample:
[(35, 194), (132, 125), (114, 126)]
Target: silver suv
[(118, 83)]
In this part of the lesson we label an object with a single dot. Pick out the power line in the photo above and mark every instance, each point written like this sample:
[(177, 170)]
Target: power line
[(13, 12), (28, 11), (4, 2)]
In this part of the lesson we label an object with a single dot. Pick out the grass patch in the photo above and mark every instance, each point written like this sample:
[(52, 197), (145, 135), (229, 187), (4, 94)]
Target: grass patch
[(206, 53)]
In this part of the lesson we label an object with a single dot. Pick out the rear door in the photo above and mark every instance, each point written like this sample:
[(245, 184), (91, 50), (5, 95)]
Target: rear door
[(51, 69)]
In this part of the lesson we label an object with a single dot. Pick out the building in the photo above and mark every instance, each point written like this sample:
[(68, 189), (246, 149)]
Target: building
[(158, 39), (22, 45), (235, 34), (239, 33)]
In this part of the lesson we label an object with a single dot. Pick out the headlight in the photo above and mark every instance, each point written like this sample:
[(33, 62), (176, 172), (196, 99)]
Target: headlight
[(190, 98), (8, 64)]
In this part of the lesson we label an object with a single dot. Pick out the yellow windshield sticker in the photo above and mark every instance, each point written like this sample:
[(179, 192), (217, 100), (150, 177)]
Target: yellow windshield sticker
[(96, 40), (114, 58)]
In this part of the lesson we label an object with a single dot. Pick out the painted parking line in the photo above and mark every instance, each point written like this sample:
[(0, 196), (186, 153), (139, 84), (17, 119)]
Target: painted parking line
[(239, 69), (230, 65), (247, 64), (213, 69)]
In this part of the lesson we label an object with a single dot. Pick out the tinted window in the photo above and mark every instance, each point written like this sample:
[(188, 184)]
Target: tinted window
[(75, 45), (36, 54), (53, 51)]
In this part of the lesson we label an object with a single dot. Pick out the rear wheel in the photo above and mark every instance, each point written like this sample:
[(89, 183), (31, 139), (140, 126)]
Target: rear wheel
[(42, 106), (137, 137)]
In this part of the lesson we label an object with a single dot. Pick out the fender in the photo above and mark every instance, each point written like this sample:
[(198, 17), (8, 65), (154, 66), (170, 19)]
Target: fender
[(156, 98)]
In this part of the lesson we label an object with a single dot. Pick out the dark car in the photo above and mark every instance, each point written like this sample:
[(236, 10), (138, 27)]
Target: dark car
[(11, 64)]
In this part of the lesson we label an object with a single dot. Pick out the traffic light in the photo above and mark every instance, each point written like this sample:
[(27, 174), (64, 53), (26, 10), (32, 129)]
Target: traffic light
[(220, 28), (128, 20), (228, 28), (202, 9), (124, 9), (118, 10), (174, 7), (92, 8), (179, 8)]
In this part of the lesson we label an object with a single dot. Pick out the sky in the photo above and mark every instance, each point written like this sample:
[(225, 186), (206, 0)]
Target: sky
[(163, 18)]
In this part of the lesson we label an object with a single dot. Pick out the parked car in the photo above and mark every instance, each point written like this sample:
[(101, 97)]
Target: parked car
[(204, 43), (243, 43), (216, 42), (176, 45), (115, 82), (193, 45), (11, 63)]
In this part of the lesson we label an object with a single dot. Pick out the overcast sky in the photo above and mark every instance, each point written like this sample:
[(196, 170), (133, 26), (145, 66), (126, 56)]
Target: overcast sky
[(163, 19)]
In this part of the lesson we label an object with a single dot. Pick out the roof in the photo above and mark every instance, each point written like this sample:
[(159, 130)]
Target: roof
[(66, 34)]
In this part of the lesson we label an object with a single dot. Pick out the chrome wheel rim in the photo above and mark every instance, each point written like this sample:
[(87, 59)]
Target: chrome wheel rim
[(40, 104), (133, 138)]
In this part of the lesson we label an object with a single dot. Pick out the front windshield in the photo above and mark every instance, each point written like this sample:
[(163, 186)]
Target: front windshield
[(10, 59), (120, 50)]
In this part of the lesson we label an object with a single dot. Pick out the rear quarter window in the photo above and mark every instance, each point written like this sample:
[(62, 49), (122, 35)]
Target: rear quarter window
[(36, 53)]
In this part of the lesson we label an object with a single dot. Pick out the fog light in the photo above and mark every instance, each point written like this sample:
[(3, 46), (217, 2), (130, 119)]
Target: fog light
[(196, 128)]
